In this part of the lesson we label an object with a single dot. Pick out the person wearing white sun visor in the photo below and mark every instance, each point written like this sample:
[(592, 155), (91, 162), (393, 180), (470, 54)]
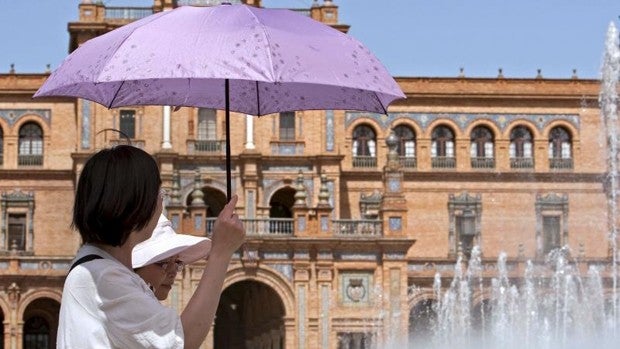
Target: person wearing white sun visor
[(158, 259)]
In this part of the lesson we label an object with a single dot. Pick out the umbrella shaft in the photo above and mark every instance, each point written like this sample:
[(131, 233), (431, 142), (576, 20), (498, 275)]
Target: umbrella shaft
[(228, 166)]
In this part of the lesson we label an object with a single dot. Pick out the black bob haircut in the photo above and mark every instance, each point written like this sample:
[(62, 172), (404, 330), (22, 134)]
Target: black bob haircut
[(117, 193)]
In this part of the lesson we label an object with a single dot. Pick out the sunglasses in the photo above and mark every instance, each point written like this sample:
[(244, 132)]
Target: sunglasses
[(166, 265)]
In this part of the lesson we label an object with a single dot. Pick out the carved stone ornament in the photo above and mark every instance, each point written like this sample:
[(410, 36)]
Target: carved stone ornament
[(356, 290)]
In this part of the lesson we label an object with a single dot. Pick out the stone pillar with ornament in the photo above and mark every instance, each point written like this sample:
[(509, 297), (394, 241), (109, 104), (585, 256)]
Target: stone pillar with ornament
[(300, 207), (302, 272), (249, 163), (324, 295), (393, 211), (13, 332), (175, 209), (323, 209), (197, 208)]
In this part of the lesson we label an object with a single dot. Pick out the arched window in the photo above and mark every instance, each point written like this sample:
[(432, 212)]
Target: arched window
[(364, 147), (30, 145), (521, 148), (560, 149), (1, 146), (406, 145), (442, 148), (37, 333), (482, 148), (406, 141)]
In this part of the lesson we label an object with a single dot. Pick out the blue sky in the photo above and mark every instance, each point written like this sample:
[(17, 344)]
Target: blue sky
[(410, 37)]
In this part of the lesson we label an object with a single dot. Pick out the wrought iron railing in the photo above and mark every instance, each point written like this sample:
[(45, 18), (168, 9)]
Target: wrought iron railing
[(127, 13), (561, 164), (443, 162), (521, 163), (205, 2), (480, 162), (408, 161), (364, 162), (301, 11), (135, 142), (209, 146), (357, 227), (30, 160), (287, 148)]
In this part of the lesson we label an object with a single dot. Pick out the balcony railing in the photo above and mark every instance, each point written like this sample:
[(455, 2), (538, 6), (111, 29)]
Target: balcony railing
[(443, 162), (135, 142), (521, 163), (482, 162), (272, 227), (301, 11), (284, 227), (208, 146), (127, 13), (357, 227), (408, 161), (287, 148), (561, 164), (364, 161), (30, 160), (204, 2)]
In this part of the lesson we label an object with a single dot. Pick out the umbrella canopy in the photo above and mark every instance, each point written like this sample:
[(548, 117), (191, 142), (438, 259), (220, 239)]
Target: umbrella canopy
[(233, 57)]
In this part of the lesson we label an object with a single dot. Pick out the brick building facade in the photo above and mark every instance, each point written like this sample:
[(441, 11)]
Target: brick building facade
[(345, 212)]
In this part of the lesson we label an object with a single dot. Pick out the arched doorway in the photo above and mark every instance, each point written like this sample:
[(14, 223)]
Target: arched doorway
[(422, 319), (215, 201), (41, 324), (281, 203), (281, 211), (1, 329), (250, 315), (481, 317)]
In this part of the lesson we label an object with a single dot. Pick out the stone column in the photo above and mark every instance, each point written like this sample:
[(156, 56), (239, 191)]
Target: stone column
[(325, 276), (301, 269), (15, 325), (165, 142), (249, 132)]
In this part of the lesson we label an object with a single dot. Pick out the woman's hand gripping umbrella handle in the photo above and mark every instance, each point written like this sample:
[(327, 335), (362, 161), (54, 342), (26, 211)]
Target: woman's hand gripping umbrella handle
[(198, 315), (228, 231)]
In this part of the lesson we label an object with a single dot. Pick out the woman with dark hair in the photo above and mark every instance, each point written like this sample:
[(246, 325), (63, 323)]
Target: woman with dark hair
[(104, 303)]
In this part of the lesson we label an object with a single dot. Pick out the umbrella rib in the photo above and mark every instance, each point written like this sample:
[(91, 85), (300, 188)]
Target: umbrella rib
[(381, 104), (258, 22), (116, 94)]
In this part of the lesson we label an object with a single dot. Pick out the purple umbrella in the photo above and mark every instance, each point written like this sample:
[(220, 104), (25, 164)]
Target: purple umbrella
[(233, 57)]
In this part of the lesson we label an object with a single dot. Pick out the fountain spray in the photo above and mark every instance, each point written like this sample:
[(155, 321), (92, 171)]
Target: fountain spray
[(608, 101)]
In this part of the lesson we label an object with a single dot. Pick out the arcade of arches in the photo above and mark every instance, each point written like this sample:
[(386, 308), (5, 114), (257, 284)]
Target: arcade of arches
[(39, 322)]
